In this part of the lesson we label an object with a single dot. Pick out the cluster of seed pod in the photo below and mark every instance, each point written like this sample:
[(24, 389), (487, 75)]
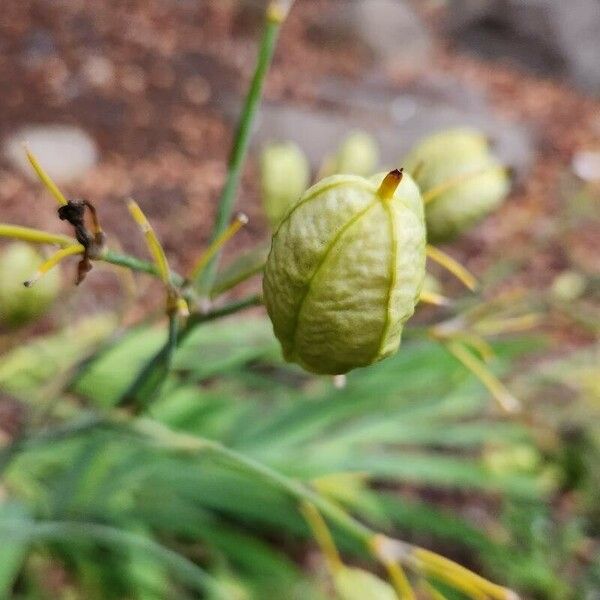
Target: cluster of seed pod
[(347, 262)]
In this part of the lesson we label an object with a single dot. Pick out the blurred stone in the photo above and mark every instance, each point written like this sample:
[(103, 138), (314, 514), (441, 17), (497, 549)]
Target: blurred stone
[(66, 152), (38, 45), (396, 119), (98, 71), (390, 29), (550, 37), (586, 165)]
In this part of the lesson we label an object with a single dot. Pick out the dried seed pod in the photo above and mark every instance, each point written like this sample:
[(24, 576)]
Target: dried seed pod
[(345, 271), (18, 304), (460, 179), (285, 174)]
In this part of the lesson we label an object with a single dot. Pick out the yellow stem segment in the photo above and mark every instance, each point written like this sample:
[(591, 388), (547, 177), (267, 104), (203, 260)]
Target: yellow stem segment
[(322, 535), (45, 178), (239, 221), (505, 399), (509, 324), (154, 246), (431, 592), (35, 236), (400, 581), (435, 299), (477, 343), (443, 187), (443, 567), (390, 184), (53, 261), (446, 261)]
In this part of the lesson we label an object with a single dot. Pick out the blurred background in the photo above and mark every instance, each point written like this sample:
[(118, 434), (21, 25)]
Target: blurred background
[(139, 98)]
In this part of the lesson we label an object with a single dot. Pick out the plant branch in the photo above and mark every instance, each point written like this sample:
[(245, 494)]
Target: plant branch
[(275, 15), (387, 550), (155, 371)]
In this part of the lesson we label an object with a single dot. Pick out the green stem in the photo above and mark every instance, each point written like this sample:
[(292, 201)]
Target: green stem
[(186, 570), (150, 378), (224, 311), (174, 440), (136, 264), (241, 144), (385, 549)]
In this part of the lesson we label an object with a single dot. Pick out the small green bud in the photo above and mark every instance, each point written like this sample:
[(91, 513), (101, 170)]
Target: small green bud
[(20, 305), (345, 271), (460, 179), (568, 286), (357, 155), (285, 175), (356, 584)]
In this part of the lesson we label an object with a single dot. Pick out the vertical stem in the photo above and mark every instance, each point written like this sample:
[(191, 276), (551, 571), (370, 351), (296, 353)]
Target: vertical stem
[(275, 15), (152, 376)]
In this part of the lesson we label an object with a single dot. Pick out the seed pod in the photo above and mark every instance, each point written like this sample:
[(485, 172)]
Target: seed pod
[(356, 584), (284, 178), (460, 179), (345, 271), (18, 304), (358, 154)]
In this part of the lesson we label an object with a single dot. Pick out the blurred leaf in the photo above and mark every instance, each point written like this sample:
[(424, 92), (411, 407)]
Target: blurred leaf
[(12, 550)]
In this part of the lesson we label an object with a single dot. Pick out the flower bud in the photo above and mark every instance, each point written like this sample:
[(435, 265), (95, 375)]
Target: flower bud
[(357, 155), (357, 584), (18, 304), (285, 176), (460, 179), (345, 271)]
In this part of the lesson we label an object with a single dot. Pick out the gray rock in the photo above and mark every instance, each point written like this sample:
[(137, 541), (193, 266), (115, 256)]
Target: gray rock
[(550, 37), (396, 119), (66, 152), (390, 29)]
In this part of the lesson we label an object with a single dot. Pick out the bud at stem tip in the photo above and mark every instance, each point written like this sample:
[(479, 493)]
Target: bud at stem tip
[(390, 184)]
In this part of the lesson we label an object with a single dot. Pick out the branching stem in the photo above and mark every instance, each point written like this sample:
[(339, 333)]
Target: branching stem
[(275, 15)]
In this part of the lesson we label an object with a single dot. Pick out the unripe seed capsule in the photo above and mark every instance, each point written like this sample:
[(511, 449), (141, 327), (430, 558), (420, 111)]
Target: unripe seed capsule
[(358, 154), (460, 179), (345, 271), (284, 178), (19, 304)]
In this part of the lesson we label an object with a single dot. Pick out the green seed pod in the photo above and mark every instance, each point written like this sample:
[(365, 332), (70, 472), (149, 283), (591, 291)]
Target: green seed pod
[(460, 179), (345, 271), (285, 174), (568, 286), (356, 584), (18, 304), (358, 154)]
